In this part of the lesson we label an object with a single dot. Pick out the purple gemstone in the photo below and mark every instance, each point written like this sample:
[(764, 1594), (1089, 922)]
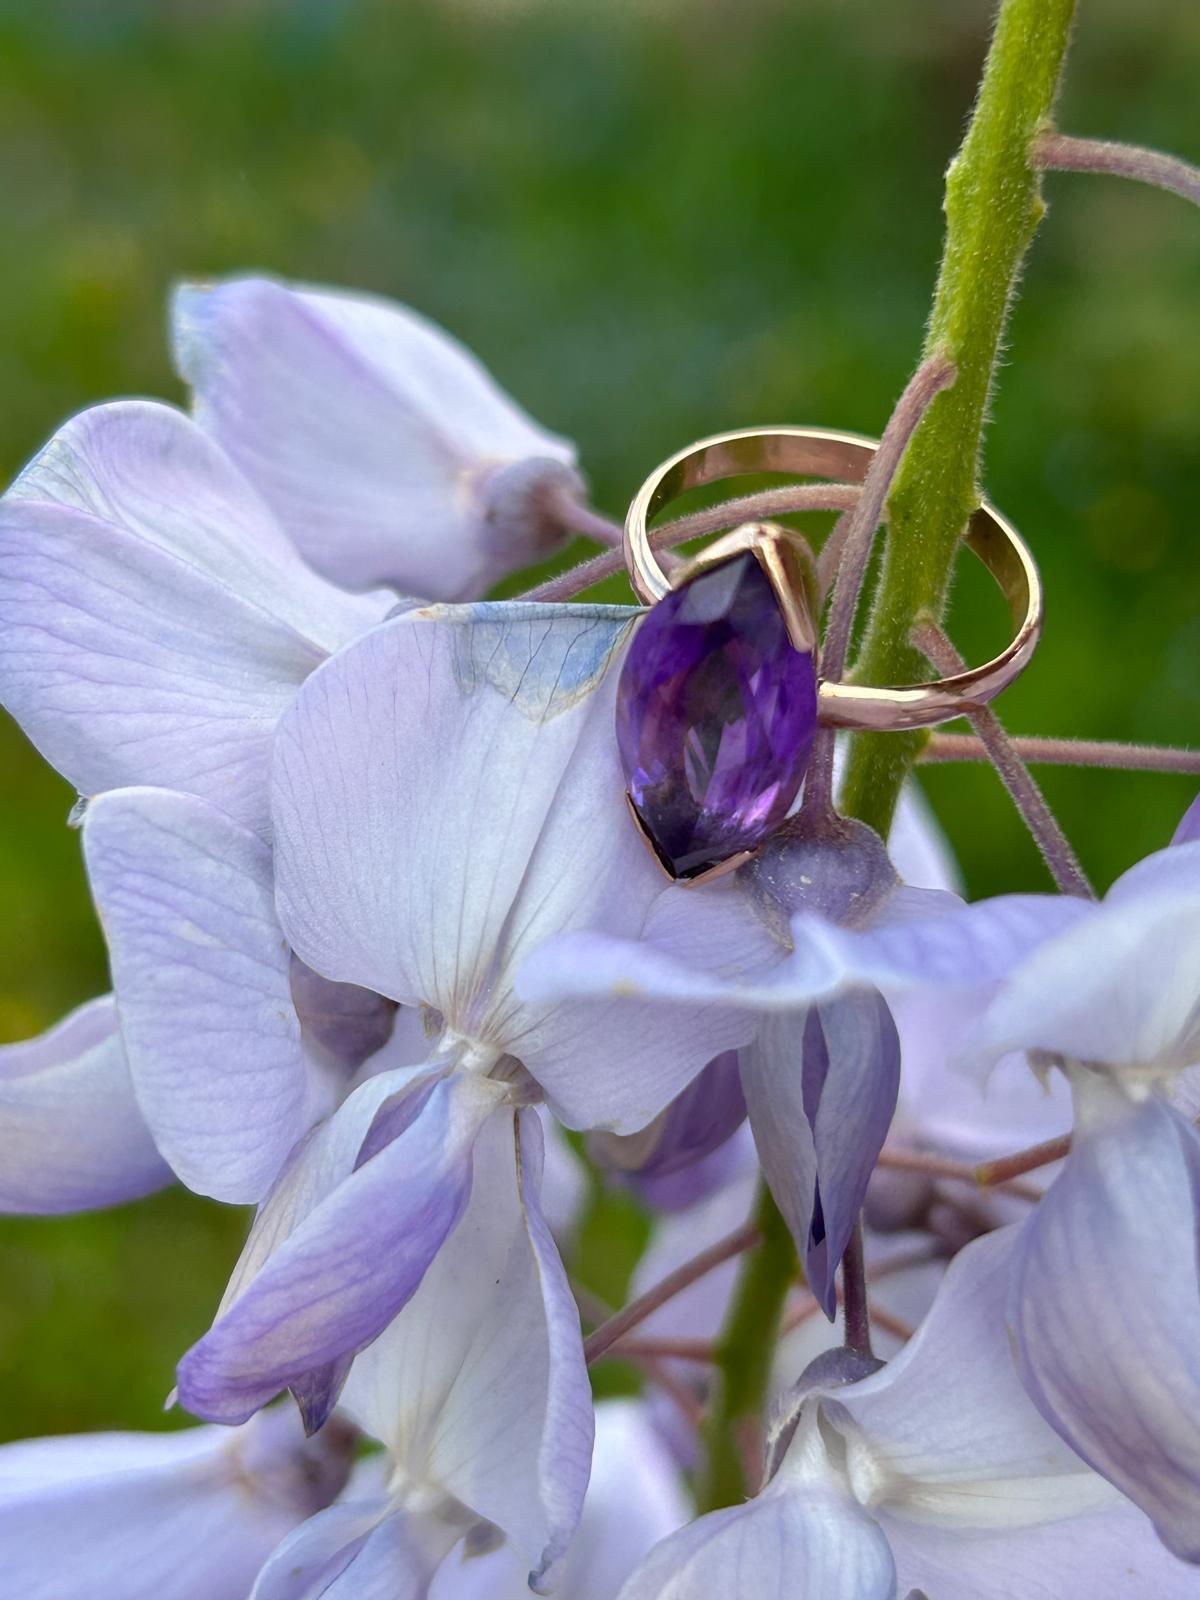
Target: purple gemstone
[(716, 713)]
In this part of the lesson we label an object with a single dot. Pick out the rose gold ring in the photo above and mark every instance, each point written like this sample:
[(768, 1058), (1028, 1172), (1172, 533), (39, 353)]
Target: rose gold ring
[(843, 457)]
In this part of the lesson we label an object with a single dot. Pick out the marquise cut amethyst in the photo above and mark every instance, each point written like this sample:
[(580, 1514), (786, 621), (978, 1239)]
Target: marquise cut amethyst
[(716, 712)]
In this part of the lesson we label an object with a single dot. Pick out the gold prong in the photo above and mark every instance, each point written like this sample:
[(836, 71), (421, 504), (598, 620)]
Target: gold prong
[(777, 552), (717, 870)]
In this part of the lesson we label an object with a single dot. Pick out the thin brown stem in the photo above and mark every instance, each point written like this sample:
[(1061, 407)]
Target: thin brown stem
[(1060, 152), (807, 1306), (856, 1315), (1067, 753), (769, 503), (576, 517), (605, 1336), (991, 1173), (635, 1348), (935, 1166), (930, 378), (1037, 816), (852, 539)]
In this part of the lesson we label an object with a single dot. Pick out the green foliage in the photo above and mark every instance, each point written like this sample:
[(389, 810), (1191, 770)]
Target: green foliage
[(653, 221)]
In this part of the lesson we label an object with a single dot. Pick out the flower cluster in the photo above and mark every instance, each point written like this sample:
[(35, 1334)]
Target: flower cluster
[(380, 929)]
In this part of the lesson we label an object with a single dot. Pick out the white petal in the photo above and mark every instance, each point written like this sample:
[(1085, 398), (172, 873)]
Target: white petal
[(131, 1516), (1107, 1270), (479, 1386), (945, 1432), (1111, 1554), (802, 1543), (1121, 988), (201, 972), (144, 644), (71, 1134), (367, 430)]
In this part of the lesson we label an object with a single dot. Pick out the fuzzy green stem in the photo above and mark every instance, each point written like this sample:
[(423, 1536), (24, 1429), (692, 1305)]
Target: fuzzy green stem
[(993, 206), (743, 1361)]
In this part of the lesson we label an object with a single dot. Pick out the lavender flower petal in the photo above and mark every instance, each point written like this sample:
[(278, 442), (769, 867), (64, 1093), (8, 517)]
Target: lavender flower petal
[(779, 1546), (153, 624), (202, 980), (1121, 988), (428, 839), (71, 1135), (1106, 1304), (362, 1549), (821, 1089), (337, 1249), (379, 442), (176, 1516), (479, 1385)]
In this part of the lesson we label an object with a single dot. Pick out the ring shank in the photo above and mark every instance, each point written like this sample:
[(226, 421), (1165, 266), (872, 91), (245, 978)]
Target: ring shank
[(845, 457)]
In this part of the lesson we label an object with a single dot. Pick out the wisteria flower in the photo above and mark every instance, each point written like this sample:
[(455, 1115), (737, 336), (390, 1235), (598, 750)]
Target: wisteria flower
[(935, 1474), (382, 446), (386, 882)]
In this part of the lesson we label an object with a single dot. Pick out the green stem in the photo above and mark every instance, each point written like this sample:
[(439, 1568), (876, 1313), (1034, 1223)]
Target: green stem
[(743, 1355), (993, 206)]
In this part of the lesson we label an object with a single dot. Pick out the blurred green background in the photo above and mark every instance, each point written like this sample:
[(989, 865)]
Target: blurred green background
[(652, 221)]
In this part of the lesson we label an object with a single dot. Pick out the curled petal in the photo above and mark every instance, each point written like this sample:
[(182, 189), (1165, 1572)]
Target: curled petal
[(943, 944), (338, 1249), (201, 972), (479, 1386), (376, 439), (1106, 1304), (1120, 988), (71, 1135), (821, 1089)]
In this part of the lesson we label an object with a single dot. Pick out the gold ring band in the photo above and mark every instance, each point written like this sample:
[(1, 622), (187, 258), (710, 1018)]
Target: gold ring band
[(845, 457)]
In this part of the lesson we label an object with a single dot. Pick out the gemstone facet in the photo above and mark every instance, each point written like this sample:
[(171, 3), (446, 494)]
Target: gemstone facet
[(716, 713)]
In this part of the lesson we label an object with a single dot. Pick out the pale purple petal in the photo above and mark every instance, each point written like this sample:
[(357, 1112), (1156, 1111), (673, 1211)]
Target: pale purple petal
[(149, 634), (346, 1024), (948, 945), (948, 1434), (1111, 1554), (71, 1135), (362, 1549), (338, 1249), (960, 1113), (417, 785), (201, 973), (479, 1386), (667, 1162), (1122, 988), (919, 849), (374, 436), (448, 796), (177, 1516), (791, 1543), (1188, 831), (821, 1089), (1106, 1304), (635, 1498)]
